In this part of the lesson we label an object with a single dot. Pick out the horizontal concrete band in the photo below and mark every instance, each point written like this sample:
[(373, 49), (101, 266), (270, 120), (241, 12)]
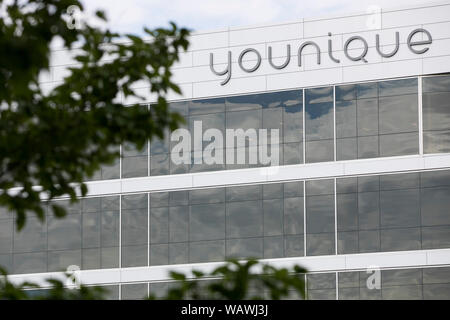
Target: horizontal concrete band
[(331, 263), (270, 174)]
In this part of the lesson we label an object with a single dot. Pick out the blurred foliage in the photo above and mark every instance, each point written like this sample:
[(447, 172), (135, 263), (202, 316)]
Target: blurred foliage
[(56, 139), (235, 280), (53, 140), (57, 290)]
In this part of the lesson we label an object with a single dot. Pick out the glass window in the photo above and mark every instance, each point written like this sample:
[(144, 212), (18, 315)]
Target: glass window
[(399, 144), (397, 87), (207, 222), (90, 259), (319, 151), (93, 204), (293, 117), (436, 114), (135, 201), (110, 203), (273, 247), (319, 187), (110, 257), (243, 193), (31, 262), (134, 167), (207, 251), (180, 107), (213, 195), (247, 102), (320, 217), (159, 164), (345, 119), (400, 208), (134, 227), (347, 212), (134, 291), (293, 189), (273, 191), (319, 127), (159, 225), (91, 231), (347, 242), (159, 199), (369, 210), (436, 141), (64, 233), (435, 178), (159, 254), (160, 145), (346, 92), (206, 106), (272, 118), (207, 121), (319, 244), (293, 215), (178, 225), (319, 95), (245, 248), (294, 246), (436, 237), (367, 90), (131, 150), (319, 121), (178, 198), (367, 117), (110, 229), (434, 206), (368, 183), (134, 256), (321, 286), (398, 114), (346, 185), (369, 241), (436, 84), (244, 219), (178, 253), (292, 153), (273, 217), (6, 236), (60, 260), (111, 171), (400, 239), (320, 214), (399, 181)]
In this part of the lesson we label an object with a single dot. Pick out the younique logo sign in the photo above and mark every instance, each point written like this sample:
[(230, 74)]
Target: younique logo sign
[(414, 45)]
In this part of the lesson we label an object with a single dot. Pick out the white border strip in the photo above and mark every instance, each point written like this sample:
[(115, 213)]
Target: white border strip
[(330, 263), (336, 169)]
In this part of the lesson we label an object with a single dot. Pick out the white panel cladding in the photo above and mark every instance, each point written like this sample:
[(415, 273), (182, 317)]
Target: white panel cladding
[(300, 79), (211, 40), (435, 64), (430, 14), (201, 57), (197, 80), (265, 34), (347, 262), (382, 70), (185, 60), (440, 30), (213, 88), (348, 24), (336, 169)]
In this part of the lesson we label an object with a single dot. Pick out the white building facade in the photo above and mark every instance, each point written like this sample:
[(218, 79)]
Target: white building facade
[(361, 181)]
